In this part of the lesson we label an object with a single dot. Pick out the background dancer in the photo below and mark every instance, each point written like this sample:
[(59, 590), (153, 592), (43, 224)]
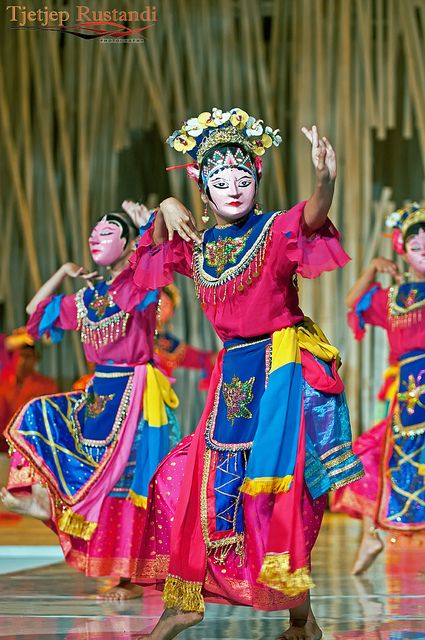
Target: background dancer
[(391, 494), (90, 454)]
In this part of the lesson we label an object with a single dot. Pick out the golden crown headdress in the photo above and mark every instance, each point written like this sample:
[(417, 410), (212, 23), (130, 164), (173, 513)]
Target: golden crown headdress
[(405, 217), (201, 133)]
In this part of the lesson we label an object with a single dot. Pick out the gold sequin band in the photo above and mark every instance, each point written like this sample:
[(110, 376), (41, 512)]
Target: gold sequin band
[(335, 472), (334, 450), (344, 481), (336, 461)]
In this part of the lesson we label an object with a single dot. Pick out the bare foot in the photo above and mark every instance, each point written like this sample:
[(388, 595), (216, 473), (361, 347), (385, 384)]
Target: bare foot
[(124, 590), (172, 622), (370, 547), (302, 630), (28, 505)]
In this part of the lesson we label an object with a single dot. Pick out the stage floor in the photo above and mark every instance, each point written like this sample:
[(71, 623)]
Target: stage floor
[(55, 602)]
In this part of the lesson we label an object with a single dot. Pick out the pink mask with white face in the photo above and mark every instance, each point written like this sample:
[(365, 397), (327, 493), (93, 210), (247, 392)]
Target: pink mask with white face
[(231, 193), (415, 252), (106, 244)]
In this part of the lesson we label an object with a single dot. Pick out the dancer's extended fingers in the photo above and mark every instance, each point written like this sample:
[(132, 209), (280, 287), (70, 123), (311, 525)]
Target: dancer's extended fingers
[(329, 147), (307, 133), (89, 276), (182, 233), (314, 136), (192, 231)]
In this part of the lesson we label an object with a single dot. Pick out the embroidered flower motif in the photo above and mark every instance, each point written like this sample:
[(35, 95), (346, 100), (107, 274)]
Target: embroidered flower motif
[(238, 118), (225, 251), (99, 304), (262, 144), (411, 298), (237, 395), (184, 143), (412, 394), (96, 404)]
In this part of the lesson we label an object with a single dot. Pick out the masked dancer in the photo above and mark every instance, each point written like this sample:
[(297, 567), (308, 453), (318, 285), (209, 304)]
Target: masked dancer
[(82, 460), (391, 495), (235, 509)]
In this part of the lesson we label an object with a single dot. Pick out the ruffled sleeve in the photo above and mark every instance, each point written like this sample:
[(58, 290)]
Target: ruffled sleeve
[(370, 308), (151, 267), (313, 254), (53, 316)]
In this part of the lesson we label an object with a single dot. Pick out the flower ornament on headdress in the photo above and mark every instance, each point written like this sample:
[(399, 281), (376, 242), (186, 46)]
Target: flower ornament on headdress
[(235, 127), (401, 220)]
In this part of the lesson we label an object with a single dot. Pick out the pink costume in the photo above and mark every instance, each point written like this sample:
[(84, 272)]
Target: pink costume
[(96, 450), (203, 537), (393, 452)]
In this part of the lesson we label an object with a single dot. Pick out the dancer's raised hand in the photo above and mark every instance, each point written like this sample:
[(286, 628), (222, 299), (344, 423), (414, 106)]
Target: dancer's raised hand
[(179, 219), (137, 211), (322, 154)]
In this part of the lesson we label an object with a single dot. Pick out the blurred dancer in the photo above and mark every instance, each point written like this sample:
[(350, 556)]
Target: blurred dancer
[(93, 452), (172, 353), (20, 381), (392, 494)]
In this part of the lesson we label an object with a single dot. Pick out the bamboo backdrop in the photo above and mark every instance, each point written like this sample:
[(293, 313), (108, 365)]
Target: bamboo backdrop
[(82, 126)]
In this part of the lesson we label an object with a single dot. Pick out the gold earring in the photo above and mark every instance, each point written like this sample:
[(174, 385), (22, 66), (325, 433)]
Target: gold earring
[(205, 217), (257, 209)]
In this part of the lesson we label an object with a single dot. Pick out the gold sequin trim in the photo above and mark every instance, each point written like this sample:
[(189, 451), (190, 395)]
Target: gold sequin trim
[(336, 461), (406, 431), (334, 450), (335, 472), (341, 483)]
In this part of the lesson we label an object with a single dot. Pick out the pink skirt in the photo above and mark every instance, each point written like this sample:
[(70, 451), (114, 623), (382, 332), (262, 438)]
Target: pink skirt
[(359, 499), (113, 549), (227, 581)]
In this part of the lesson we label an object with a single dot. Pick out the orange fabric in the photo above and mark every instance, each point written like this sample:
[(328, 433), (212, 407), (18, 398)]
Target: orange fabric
[(14, 396)]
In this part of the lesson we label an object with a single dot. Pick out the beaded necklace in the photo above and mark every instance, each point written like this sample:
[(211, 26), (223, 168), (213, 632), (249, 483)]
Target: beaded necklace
[(231, 276), (105, 327), (408, 311)]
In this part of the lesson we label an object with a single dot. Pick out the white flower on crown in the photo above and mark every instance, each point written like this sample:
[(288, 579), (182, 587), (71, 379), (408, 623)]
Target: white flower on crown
[(193, 127), (219, 116), (274, 135), (393, 220), (254, 127), (172, 137)]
